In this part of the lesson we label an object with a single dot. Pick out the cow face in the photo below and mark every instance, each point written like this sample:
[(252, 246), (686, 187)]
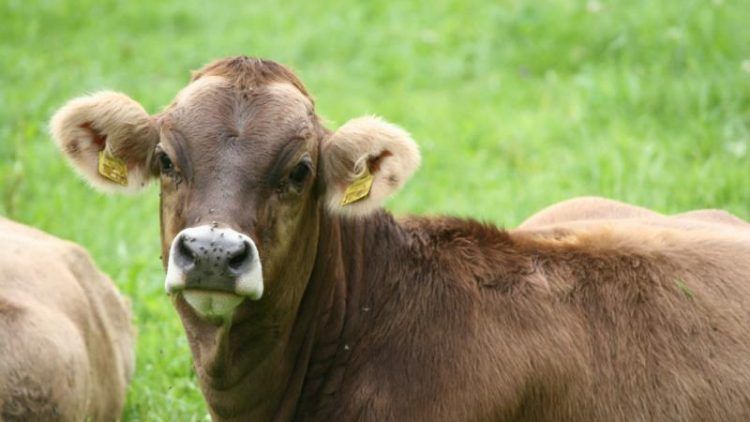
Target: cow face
[(246, 172)]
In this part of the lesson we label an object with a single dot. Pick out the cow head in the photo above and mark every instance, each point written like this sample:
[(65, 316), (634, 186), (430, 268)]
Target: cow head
[(246, 169)]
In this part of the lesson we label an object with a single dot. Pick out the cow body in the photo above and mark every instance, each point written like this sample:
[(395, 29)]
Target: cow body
[(66, 339), (448, 319), (303, 300)]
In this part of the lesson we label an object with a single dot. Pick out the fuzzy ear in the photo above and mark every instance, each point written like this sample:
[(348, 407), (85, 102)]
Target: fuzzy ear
[(366, 146), (109, 138)]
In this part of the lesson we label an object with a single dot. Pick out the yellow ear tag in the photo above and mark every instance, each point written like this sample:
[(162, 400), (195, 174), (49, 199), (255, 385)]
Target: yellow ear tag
[(113, 168), (359, 189)]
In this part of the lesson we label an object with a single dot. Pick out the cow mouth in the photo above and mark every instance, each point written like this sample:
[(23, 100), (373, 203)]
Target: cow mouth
[(212, 304)]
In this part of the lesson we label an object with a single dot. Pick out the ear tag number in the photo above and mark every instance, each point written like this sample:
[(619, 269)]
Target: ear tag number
[(113, 168), (359, 189)]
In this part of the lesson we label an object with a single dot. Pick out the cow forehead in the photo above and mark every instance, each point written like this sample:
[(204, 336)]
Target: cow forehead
[(218, 92), (212, 105), (288, 92), (213, 124), (199, 90)]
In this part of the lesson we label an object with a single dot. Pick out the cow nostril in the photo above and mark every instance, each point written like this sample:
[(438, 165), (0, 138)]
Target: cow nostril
[(185, 254), (239, 258)]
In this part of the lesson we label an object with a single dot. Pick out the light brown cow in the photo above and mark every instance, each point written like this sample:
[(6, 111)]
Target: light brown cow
[(598, 312), (66, 341), (593, 210)]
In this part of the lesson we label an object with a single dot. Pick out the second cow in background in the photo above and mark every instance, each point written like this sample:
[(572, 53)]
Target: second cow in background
[(66, 340)]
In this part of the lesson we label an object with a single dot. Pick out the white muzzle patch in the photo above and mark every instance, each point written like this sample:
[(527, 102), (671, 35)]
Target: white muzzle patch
[(214, 269)]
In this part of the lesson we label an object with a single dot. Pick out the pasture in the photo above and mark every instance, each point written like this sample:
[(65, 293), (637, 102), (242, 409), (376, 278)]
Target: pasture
[(515, 105)]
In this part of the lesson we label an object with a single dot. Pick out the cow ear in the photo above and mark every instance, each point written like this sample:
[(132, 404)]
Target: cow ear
[(364, 162), (109, 138)]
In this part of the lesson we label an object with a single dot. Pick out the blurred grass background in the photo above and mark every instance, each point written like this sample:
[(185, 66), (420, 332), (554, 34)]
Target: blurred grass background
[(516, 105)]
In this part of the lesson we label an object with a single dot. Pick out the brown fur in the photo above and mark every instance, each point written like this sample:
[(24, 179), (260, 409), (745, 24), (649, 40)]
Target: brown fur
[(247, 73), (65, 335), (591, 311)]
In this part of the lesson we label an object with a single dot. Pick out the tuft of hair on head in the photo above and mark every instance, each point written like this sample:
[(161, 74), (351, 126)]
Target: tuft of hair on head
[(367, 145), (246, 72)]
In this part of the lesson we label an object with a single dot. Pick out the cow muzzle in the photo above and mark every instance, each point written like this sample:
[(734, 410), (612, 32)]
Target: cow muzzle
[(214, 269)]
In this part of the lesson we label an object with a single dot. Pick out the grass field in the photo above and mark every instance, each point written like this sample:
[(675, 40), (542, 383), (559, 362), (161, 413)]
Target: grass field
[(515, 104)]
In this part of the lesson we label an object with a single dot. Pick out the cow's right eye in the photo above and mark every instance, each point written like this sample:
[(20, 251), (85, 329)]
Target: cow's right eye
[(165, 164)]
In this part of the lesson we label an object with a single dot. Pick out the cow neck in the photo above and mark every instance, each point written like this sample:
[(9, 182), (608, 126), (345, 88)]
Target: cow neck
[(245, 377), (352, 253)]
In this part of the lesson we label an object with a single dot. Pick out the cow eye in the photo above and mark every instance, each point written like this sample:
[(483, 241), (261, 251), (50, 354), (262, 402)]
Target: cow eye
[(300, 173), (165, 164)]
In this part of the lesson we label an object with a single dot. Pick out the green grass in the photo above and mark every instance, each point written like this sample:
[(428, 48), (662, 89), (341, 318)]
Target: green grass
[(515, 104)]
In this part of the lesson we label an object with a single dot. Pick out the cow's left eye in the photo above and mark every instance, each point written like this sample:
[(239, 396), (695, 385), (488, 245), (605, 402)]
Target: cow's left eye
[(300, 173)]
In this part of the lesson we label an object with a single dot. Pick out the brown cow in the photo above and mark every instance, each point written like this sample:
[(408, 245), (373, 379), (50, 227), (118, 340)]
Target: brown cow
[(66, 341), (355, 315)]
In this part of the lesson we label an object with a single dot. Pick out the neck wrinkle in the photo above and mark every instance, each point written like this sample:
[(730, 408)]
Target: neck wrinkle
[(319, 319), (355, 252)]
